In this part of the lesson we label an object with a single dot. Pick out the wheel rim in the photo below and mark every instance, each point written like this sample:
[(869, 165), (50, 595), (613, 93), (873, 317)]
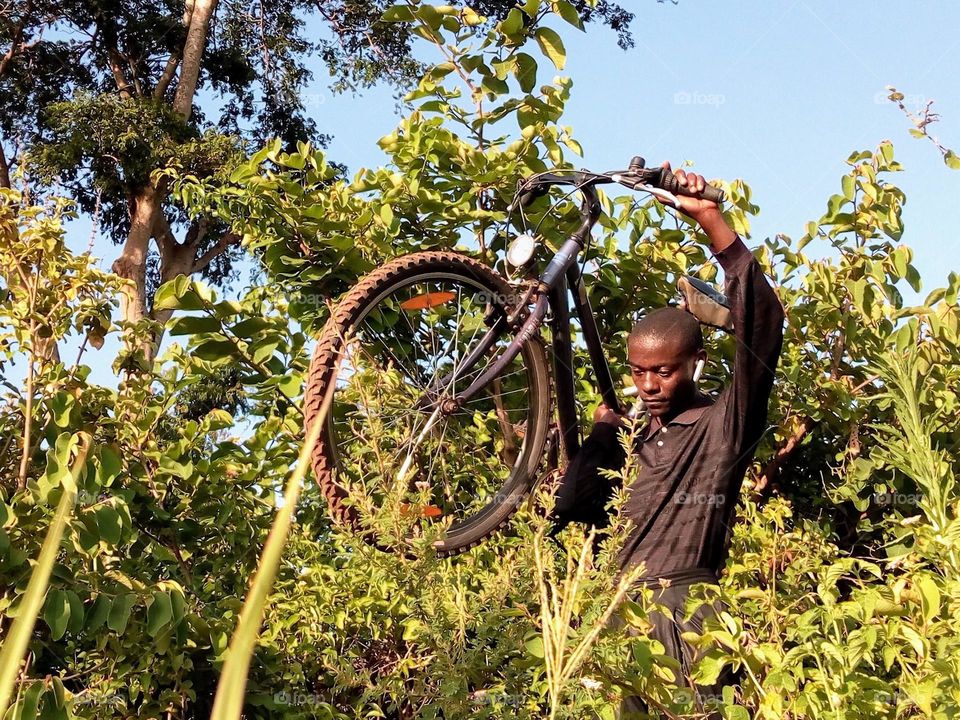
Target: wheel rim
[(414, 468)]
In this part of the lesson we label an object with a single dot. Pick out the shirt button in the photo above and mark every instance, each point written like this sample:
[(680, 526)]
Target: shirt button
[(660, 443), (664, 429)]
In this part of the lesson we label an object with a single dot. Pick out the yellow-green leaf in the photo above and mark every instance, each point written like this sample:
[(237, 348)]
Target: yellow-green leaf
[(552, 46), (929, 598)]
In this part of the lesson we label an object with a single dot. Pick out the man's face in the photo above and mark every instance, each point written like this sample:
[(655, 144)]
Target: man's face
[(663, 373)]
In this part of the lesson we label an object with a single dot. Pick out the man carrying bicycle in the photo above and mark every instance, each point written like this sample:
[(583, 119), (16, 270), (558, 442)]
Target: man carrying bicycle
[(695, 450)]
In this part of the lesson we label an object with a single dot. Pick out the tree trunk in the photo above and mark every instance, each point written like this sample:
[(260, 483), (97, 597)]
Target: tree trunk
[(132, 263), (193, 49), (146, 220), (4, 169)]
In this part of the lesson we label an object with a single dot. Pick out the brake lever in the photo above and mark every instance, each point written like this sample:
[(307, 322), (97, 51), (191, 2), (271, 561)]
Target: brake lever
[(672, 199), (630, 179)]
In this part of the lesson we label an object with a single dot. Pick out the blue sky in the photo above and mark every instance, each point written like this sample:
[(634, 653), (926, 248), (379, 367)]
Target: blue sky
[(776, 93)]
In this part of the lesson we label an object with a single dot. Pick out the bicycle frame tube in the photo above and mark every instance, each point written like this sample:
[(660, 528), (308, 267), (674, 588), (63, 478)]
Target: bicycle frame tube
[(591, 336), (563, 374), (561, 274)]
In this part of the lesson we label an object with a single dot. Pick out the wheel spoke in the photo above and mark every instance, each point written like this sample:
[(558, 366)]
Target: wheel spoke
[(394, 449)]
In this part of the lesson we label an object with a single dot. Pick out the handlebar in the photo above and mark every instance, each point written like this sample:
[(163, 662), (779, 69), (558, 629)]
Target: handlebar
[(636, 177), (665, 180)]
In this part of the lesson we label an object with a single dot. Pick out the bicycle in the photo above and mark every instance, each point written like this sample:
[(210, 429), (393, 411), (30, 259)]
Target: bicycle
[(435, 352)]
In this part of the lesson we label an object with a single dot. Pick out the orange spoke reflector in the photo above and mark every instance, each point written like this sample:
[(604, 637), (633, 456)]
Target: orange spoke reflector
[(428, 511), (427, 300)]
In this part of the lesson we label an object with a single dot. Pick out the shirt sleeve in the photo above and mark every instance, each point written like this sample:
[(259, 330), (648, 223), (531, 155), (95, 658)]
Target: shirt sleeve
[(758, 328), (584, 492)]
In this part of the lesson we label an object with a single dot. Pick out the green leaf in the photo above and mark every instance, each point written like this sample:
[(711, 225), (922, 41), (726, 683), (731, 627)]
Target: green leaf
[(75, 625), (913, 278), (952, 160), (109, 466), (59, 694), (913, 637), (526, 72), (178, 469), (513, 23), (56, 613), (886, 149), (494, 86), (534, 646), (214, 349), (412, 629), (634, 614), (60, 406), (849, 184), (386, 214), (290, 385), (569, 13), (429, 16), (177, 294), (708, 669), (98, 613), (30, 703), (218, 419), (193, 324), (120, 613), (900, 258), (552, 46), (179, 605), (265, 351), (159, 613), (929, 598), (109, 524), (397, 13), (250, 327)]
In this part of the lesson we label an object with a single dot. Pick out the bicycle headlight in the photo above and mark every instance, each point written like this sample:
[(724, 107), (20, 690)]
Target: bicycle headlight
[(520, 250)]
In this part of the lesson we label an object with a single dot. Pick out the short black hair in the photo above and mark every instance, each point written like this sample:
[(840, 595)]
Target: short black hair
[(670, 324)]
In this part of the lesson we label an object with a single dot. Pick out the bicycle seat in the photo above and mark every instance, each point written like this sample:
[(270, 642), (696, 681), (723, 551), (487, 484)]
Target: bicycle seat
[(705, 303)]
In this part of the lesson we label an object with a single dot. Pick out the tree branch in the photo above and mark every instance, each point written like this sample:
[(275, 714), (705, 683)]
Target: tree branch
[(163, 234), (116, 67), (167, 76), (227, 240), (196, 233), (771, 470), (4, 169), (16, 42)]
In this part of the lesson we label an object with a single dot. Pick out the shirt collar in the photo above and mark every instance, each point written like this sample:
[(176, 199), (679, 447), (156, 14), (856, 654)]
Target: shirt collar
[(687, 417)]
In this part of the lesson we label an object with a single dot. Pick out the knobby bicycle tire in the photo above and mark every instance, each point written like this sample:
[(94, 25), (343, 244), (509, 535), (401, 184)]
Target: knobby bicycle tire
[(350, 311)]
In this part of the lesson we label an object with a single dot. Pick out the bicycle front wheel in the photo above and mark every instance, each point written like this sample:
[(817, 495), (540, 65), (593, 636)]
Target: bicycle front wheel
[(390, 462)]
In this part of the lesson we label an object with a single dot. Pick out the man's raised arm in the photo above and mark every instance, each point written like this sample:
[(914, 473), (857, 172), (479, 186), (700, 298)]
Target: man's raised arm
[(757, 319)]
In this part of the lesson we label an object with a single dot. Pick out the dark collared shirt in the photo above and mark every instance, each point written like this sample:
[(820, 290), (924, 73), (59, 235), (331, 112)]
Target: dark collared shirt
[(693, 466)]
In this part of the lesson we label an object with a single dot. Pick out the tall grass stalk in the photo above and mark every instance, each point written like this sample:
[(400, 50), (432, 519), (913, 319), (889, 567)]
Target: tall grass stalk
[(16, 642), (559, 599), (910, 448), (231, 689)]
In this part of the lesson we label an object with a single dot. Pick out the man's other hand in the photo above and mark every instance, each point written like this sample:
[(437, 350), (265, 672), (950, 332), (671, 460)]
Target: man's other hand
[(706, 213), (694, 207), (603, 414)]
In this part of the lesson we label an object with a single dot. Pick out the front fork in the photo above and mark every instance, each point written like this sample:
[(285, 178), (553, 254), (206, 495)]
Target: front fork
[(552, 295)]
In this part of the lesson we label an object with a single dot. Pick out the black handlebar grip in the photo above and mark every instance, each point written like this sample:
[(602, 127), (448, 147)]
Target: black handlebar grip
[(668, 181)]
